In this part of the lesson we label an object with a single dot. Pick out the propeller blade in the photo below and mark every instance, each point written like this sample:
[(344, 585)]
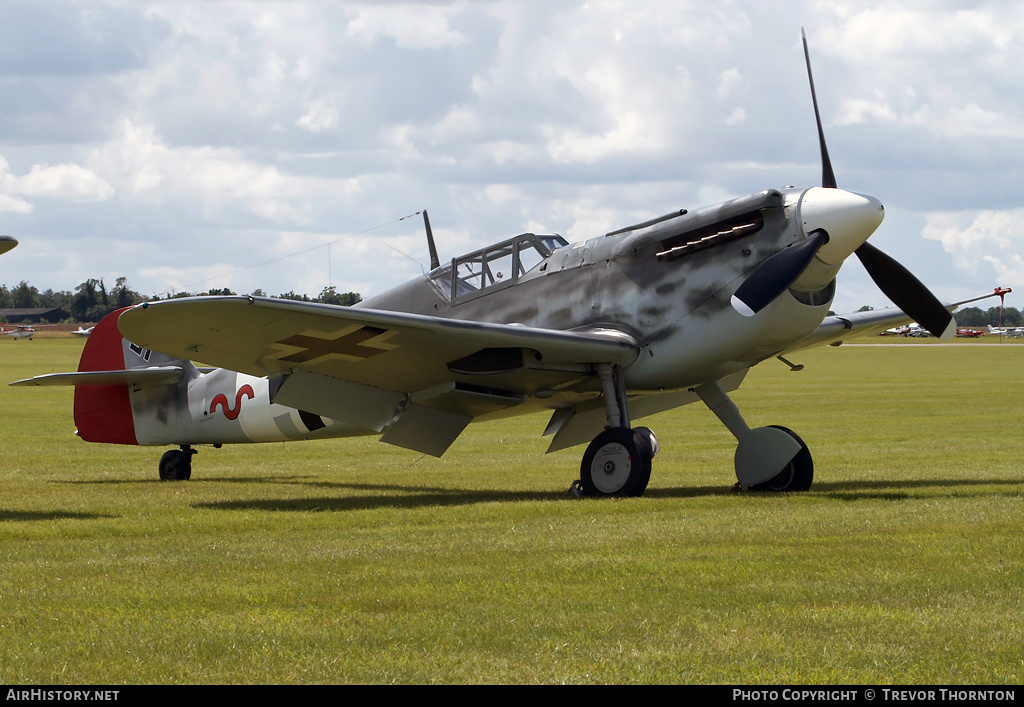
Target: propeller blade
[(907, 292), (828, 177), (776, 274), (898, 284)]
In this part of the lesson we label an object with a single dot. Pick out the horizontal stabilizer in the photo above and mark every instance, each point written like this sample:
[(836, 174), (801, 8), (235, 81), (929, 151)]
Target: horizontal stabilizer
[(154, 375)]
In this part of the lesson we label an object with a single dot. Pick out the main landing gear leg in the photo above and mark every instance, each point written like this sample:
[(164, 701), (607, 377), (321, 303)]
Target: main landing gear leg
[(767, 458), (618, 461), (176, 464)]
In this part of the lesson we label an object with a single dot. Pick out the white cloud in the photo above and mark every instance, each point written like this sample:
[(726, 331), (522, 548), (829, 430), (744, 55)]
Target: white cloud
[(737, 117), (145, 165), (14, 204), (974, 120), (66, 182), (859, 110), (1009, 269), (630, 132), (884, 31), (319, 116), (949, 70), (952, 120), (1000, 228), (412, 26), (728, 80), (995, 238)]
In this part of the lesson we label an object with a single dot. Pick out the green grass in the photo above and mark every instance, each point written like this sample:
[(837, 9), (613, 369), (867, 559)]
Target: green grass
[(353, 561)]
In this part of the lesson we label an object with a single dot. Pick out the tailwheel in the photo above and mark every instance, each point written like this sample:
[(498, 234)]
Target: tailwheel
[(617, 463), (176, 464), (797, 475)]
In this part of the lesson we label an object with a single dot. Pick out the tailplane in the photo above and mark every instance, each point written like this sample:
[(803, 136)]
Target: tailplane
[(110, 368)]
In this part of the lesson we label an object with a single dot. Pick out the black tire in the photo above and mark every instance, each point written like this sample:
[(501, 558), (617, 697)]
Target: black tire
[(176, 465), (798, 474), (617, 463)]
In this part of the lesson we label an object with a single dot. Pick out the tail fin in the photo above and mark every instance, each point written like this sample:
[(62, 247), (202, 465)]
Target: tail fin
[(103, 413), (117, 380)]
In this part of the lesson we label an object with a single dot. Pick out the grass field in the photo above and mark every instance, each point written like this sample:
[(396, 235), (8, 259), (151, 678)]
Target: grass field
[(353, 561)]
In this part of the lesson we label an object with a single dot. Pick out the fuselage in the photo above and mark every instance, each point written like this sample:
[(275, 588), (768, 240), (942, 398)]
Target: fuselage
[(669, 285)]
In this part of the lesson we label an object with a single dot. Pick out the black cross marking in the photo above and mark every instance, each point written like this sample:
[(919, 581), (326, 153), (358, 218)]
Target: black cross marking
[(139, 351), (349, 345)]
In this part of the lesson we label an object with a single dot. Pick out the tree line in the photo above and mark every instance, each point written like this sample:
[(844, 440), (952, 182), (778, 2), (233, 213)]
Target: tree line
[(92, 300), (974, 316)]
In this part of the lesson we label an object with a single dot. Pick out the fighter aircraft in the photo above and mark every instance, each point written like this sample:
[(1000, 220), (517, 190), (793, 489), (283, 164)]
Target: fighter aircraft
[(597, 333)]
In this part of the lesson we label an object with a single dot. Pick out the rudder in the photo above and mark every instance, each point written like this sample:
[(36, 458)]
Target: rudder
[(103, 413)]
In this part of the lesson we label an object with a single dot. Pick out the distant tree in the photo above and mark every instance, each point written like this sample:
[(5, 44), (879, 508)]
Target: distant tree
[(123, 296), (86, 298), (292, 295), (101, 306), (91, 301), (329, 295), (24, 296), (972, 316), (56, 300), (1011, 316)]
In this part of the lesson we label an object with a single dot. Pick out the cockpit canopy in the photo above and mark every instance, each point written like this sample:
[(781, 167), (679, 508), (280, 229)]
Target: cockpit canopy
[(494, 267)]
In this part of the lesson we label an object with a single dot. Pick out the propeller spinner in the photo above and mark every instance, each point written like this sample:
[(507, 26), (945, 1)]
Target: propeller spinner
[(838, 223)]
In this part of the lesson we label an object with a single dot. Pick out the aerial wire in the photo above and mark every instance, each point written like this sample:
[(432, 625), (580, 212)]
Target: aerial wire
[(301, 252)]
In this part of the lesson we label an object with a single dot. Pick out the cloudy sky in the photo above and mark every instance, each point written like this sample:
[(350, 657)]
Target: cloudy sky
[(277, 145)]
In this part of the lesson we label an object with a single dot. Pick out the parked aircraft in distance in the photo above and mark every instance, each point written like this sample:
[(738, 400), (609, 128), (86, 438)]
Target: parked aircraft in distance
[(82, 332), (20, 332), (597, 333), (1012, 332), (969, 333)]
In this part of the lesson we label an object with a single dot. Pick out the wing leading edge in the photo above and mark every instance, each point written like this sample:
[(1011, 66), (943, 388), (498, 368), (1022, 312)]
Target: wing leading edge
[(418, 379)]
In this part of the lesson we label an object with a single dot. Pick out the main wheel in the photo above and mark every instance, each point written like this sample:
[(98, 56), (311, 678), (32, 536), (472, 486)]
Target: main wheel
[(617, 463), (797, 475), (176, 465)]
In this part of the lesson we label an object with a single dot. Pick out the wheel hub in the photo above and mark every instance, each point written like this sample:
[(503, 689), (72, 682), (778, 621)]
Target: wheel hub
[(611, 467)]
